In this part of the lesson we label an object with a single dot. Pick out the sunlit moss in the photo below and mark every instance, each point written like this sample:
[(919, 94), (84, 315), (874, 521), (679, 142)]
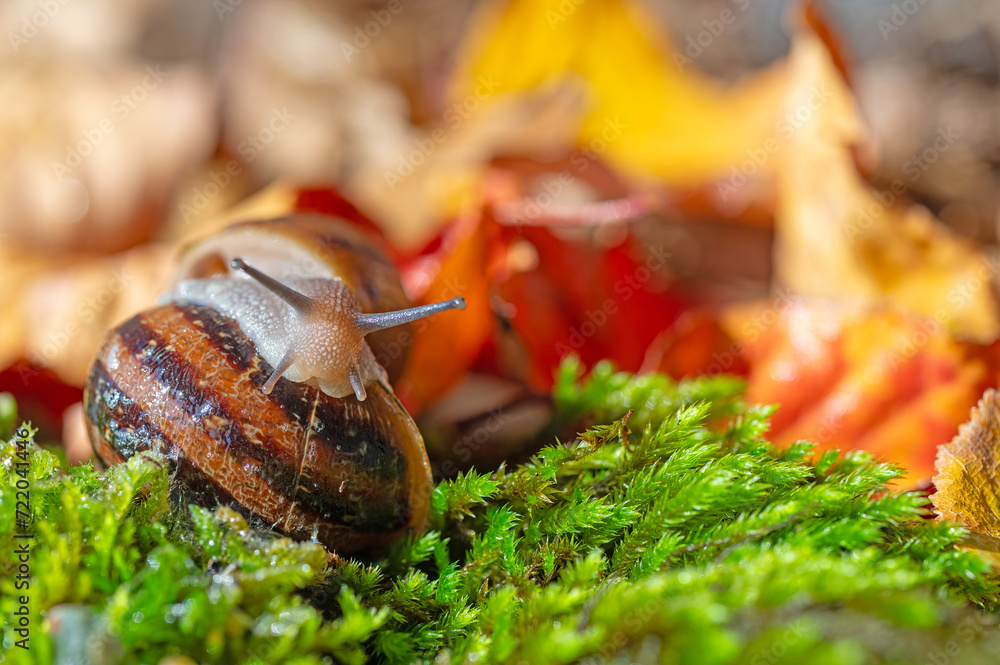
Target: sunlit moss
[(675, 535)]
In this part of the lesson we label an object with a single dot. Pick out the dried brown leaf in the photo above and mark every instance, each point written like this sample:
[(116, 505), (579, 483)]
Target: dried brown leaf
[(968, 474)]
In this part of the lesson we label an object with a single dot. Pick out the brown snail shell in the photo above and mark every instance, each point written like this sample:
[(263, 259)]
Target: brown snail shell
[(187, 380)]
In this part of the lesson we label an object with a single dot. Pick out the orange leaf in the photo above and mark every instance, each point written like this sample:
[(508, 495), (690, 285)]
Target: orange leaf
[(855, 376), (446, 345), (695, 345), (845, 375)]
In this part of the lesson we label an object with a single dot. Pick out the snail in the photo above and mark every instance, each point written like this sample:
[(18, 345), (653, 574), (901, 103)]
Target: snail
[(257, 376)]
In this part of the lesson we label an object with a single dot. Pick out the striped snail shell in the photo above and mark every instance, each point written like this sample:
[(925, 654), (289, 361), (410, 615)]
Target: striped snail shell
[(256, 378)]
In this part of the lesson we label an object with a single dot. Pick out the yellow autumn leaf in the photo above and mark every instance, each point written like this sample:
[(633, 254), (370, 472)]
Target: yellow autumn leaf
[(836, 235), (650, 113), (968, 474)]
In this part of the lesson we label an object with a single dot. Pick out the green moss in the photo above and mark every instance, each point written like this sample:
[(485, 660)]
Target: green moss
[(668, 531)]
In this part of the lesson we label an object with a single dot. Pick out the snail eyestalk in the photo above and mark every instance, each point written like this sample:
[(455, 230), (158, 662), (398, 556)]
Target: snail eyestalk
[(357, 383), (283, 365), (302, 304), (368, 323), (322, 330)]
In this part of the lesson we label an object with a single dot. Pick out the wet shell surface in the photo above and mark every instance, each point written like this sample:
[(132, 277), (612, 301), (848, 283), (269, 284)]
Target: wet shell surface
[(184, 380)]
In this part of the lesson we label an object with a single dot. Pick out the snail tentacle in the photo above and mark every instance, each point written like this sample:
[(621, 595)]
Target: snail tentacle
[(281, 368), (357, 383), (300, 303), (368, 323)]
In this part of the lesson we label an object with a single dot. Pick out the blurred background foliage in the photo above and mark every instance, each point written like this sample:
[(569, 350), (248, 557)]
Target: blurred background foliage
[(137, 126)]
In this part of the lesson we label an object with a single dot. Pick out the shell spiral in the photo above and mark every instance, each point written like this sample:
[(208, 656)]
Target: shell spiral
[(185, 380)]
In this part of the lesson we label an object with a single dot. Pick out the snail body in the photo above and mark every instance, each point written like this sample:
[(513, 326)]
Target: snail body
[(255, 377)]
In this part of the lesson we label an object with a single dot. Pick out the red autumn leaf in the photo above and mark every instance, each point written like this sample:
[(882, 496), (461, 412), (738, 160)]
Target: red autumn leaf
[(534, 297), (580, 297), (42, 396), (695, 345), (329, 201)]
